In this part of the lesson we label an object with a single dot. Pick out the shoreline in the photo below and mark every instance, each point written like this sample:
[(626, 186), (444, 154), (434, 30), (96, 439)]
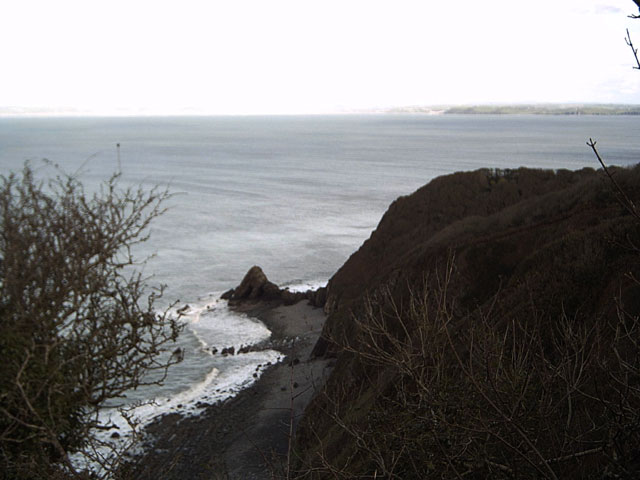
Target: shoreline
[(245, 436)]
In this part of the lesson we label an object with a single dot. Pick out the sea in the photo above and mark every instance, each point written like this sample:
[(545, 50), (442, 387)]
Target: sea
[(296, 195)]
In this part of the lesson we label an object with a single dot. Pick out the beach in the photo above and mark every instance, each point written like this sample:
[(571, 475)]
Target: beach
[(247, 436)]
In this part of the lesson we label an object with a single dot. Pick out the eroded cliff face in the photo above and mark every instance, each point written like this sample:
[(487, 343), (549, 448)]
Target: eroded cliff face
[(528, 246), (453, 212)]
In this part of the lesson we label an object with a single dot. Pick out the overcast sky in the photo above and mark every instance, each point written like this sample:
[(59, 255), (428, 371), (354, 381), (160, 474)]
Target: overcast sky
[(300, 56)]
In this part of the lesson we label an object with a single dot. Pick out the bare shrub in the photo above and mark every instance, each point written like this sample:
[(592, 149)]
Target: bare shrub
[(77, 328), (481, 395)]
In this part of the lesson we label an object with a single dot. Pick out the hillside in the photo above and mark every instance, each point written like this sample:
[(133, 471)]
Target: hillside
[(488, 328), (524, 109)]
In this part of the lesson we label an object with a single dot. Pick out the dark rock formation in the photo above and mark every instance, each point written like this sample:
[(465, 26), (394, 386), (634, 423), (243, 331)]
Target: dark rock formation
[(290, 298), (228, 294), (319, 297), (255, 286)]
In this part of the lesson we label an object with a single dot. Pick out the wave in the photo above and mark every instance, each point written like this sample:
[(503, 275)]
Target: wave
[(216, 326), (240, 372), (300, 286), (210, 324)]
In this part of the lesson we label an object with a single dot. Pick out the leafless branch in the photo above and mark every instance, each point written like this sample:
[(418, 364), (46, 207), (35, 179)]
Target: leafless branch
[(623, 198), (633, 49), (75, 330)]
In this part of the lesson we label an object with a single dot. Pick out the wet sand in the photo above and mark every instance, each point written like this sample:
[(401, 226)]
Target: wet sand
[(247, 436)]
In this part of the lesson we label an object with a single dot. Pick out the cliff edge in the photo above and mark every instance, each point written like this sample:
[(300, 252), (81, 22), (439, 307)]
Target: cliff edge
[(485, 330)]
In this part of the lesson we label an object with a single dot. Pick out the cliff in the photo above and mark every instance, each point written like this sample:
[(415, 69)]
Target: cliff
[(488, 328)]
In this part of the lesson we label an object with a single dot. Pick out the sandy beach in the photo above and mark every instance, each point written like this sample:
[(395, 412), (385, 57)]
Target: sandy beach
[(247, 436)]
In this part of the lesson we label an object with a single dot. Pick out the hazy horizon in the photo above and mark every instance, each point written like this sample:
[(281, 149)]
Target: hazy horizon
[(293, 57), (13, 111)]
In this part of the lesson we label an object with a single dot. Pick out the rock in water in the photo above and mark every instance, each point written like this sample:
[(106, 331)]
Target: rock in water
[(255, 285), (228, 294)]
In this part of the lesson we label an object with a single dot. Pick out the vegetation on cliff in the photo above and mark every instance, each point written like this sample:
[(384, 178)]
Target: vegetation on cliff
[(488, 329)]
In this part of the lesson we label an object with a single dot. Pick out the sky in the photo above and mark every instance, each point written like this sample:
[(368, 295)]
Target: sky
[(301, 56)]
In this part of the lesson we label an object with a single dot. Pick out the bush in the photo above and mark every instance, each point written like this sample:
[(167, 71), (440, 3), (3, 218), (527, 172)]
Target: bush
[(486, 395), (77, 324)]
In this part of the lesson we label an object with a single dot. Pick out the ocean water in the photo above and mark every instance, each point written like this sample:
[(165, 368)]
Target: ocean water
[(295, 195)]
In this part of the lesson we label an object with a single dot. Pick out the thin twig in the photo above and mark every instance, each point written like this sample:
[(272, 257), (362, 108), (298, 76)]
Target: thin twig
[(291, 412), (574, 456), (626, 202), (633, 49)]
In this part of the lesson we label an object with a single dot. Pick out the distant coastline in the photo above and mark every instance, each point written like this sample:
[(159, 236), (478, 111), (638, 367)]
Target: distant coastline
[(478, 109), (516, 109)]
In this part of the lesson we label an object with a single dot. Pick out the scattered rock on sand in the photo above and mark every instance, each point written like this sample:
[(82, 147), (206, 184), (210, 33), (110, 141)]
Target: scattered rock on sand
[(228, 351)]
